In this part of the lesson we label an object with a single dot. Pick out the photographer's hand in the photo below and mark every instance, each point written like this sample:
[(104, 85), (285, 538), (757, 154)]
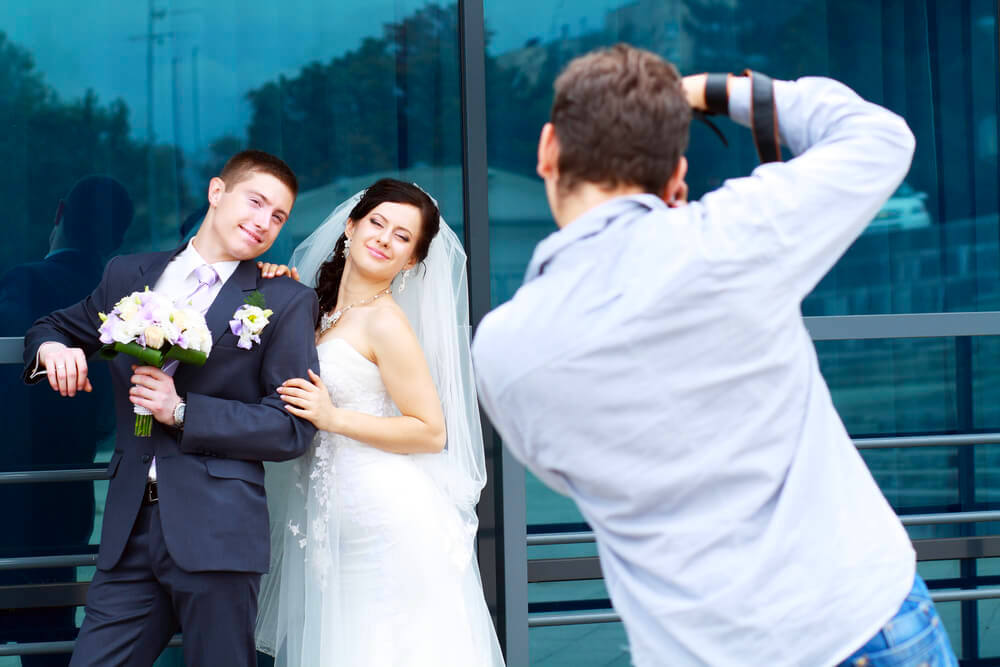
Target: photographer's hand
[(694, 89)]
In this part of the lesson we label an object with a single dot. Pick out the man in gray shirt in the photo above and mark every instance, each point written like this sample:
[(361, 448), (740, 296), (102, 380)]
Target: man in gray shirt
[(655, 368)]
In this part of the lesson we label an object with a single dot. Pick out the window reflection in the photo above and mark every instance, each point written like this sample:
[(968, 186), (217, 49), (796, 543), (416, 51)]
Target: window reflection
[(933, 247)]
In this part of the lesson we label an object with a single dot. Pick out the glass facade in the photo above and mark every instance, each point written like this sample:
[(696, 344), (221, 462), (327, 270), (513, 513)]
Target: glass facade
[(153, 96), (933, 247)]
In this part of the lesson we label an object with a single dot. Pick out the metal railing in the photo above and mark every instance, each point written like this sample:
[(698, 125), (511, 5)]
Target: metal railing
[(544, 570), (46, 648), (549, 620)]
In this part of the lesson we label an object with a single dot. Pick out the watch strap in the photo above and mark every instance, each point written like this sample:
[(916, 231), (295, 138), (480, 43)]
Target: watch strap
[(179, 410)]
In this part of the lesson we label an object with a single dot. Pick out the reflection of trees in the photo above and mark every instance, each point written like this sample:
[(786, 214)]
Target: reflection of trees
[(394, 102), (786, 42), (389, 104), (49, 143)]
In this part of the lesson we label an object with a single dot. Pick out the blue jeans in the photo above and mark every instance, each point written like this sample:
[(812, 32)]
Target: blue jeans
[(914, 637)]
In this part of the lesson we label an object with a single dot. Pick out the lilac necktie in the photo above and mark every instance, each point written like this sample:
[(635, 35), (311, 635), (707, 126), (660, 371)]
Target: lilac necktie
[(200, 299)]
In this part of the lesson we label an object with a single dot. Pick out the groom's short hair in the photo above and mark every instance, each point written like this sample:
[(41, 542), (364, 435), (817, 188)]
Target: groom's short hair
[(245, 163), (620, 117)]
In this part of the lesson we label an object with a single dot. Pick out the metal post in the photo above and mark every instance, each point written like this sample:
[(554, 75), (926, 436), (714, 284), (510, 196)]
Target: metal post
[(966, 457), (502, 550)]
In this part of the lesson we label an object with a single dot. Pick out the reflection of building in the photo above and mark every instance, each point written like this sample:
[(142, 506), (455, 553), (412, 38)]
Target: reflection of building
[(931, 268), (655, 24)]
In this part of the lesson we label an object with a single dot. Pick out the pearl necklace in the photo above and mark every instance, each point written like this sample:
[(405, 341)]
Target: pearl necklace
[(330, 319)]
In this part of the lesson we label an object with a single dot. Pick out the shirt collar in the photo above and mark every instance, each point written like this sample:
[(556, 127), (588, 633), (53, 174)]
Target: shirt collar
[(590, 223), (190, 260)]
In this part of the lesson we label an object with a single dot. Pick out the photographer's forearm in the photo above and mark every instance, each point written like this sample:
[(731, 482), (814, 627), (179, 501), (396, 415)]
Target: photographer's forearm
[(815, 110), (850, 156)]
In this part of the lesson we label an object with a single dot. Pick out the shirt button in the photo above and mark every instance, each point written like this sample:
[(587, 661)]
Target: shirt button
[(145, 458), (861, 662)]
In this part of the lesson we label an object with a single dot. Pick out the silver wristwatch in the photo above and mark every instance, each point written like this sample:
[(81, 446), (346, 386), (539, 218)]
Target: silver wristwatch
[(179, 414)]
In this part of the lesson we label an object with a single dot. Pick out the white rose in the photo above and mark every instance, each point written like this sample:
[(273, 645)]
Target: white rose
[(154, 337)]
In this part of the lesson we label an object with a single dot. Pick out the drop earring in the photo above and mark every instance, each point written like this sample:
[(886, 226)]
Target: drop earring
[(402, 279), (347, 246)]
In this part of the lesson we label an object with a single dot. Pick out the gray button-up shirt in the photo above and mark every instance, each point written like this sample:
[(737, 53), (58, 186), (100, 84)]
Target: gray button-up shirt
[(654, 367)]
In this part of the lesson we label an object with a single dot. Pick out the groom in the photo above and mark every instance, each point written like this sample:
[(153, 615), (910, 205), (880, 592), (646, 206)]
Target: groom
[(185, 536)]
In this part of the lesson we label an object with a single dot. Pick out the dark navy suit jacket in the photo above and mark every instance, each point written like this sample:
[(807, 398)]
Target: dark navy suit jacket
[(209, 474)]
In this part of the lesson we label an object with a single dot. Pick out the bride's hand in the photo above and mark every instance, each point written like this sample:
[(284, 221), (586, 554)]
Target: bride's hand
[(269, 270), (309, 400)]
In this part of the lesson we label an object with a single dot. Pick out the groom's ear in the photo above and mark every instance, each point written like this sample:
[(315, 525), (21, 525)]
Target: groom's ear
[(216, 187)]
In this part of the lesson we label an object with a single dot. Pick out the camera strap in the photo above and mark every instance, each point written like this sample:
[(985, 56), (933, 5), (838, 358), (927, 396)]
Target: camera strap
[(764, 117), (763, 113)]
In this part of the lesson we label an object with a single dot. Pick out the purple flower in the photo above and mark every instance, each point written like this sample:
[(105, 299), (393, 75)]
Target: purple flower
[(237, 326)]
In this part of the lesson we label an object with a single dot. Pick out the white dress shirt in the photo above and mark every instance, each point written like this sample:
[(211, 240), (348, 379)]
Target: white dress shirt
[(178, 280), (655, 368)]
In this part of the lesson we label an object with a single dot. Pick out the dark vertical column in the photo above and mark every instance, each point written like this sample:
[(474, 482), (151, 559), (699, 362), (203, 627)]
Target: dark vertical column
[(964, 413), (472, 43), (402, 52)]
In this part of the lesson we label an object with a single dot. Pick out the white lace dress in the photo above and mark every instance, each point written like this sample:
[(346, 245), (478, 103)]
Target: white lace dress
[(372, 565)]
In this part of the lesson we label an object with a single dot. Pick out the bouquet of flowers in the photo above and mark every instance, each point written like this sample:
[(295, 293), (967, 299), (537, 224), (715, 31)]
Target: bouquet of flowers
[(149, 327)]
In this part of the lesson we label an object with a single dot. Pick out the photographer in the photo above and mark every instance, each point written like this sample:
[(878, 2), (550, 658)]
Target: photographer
[(663, 377)]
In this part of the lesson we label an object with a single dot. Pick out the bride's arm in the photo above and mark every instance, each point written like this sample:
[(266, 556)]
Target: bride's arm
[(404, 372)]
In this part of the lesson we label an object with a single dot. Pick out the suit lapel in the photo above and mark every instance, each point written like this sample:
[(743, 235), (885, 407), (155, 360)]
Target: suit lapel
[(152, 269), (230, 298)]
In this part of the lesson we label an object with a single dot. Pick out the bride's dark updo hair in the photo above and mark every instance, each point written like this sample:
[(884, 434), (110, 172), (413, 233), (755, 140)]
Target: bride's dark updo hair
[(383, 190)]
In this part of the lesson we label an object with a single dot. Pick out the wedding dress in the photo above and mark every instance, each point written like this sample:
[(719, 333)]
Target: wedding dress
[(373, 561), (387, 580)]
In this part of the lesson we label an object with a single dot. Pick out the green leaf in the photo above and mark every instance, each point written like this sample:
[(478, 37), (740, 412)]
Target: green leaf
[(255, 298), (194, 357), (147, 355)]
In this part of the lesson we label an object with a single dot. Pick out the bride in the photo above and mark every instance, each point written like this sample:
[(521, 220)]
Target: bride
[(372, 530)]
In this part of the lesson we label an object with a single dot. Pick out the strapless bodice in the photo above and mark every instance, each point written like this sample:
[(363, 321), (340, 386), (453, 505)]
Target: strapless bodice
[(353, 381)]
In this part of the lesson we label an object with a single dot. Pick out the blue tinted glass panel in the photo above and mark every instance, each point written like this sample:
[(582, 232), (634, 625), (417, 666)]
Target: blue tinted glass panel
[(576, 645), (933, 245)]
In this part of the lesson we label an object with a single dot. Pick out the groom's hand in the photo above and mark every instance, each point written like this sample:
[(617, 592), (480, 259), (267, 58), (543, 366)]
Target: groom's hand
[(65, 368), (154, 390)]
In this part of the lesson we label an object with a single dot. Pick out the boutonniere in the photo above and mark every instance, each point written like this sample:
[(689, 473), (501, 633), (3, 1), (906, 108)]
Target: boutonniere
[(250, 319)]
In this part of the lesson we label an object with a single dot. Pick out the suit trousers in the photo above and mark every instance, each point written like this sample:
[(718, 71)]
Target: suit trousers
[(136, 607)]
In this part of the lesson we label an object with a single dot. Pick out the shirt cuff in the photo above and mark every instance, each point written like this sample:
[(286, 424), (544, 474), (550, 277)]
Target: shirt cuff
[(35, 372), (739, 100)]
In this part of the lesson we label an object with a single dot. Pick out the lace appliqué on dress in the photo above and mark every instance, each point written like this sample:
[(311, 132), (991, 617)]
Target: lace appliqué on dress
[(316, 479)]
